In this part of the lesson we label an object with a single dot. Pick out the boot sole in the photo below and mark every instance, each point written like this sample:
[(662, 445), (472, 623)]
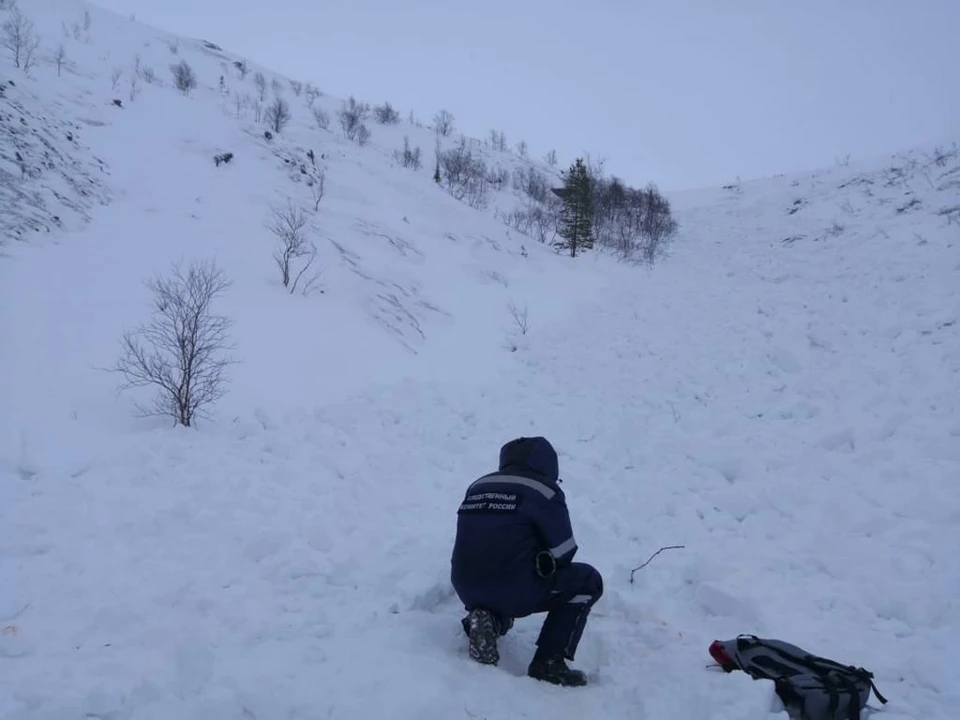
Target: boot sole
[(483, 639)]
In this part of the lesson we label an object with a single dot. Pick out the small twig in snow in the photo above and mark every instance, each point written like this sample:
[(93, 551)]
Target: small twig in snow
[(650, 559)]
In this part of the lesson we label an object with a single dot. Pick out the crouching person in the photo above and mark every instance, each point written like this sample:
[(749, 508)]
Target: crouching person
[(513, 557)]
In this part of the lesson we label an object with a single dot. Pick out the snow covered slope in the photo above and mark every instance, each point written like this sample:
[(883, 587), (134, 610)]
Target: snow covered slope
[(782, 397)]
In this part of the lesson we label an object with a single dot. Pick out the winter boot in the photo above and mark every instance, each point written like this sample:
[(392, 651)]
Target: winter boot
[(483, 630), (553, 669)]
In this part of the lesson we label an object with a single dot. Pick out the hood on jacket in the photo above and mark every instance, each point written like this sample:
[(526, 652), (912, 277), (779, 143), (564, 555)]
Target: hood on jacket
[(534, 455)]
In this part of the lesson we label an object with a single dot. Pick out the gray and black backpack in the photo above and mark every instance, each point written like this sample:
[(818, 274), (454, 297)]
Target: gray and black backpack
[(811, 687)]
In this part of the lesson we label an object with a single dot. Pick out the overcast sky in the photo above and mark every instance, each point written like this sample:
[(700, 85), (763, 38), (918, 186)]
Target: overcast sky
[(684, 93)]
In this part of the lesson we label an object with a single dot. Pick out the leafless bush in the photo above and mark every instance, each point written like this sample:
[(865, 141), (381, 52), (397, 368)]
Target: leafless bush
[(278, 114), (941, 157), (464, 174), (551, 158), (498, 140), (133, 86), (260, 82), (409, 158), (321, 118), (60, 57), (180, 351), (633, 223), (115, 76), (351, 116), (522, 149), (148, 75), (520, 317), (311, 94), (184, 78), (297, 87), (276, 86), (519, 329), (658, 224), (386, 115), (497, 177), (536, 221), (20, 38), (443, 123), (363, 135), (289, 226), (87, 21), (318, 186), (532, 183), (242, 69), (240, 103), (174, 46)]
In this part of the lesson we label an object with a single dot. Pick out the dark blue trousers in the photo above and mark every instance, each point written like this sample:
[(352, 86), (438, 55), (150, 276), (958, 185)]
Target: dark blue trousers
[(571, 594), (567, 597)]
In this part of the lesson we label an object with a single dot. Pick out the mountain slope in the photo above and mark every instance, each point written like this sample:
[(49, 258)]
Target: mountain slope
[(781, 398), (401, 261)]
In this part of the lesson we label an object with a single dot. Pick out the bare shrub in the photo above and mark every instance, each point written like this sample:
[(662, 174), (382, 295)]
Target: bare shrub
[(60, 57), (321, 118), (631, 222), (551, 158), (318, 187), (180, 351), (498, 140), (386, 115), (464, 174), (520, 327), (289, 225), (311, 94), (115, 76), (443, 123), (148, 75), (260, 82), (87, 21), (522, 149), (184, 78), (520, 317), (351, 115), (242, 69), (539, 222), (658, 224), (363, 135), (278, 114), (276, 86), (532, 183), (133, 86), (497, 177), (297, 87), (20, 38), (409, 158)]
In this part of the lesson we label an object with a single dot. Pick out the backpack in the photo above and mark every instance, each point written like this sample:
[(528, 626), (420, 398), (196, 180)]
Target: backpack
[(811, 687)]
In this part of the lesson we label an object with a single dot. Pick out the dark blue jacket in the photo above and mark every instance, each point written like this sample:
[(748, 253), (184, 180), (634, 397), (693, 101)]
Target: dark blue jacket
[(506, 518)]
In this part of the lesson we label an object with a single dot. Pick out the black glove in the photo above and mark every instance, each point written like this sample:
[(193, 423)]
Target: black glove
[(545, 563)]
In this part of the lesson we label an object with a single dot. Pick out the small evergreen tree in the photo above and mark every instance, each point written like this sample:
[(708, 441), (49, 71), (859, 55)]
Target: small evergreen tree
[(576, 217)]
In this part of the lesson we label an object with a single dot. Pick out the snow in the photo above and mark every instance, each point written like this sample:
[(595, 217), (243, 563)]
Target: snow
[(779, 396)]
